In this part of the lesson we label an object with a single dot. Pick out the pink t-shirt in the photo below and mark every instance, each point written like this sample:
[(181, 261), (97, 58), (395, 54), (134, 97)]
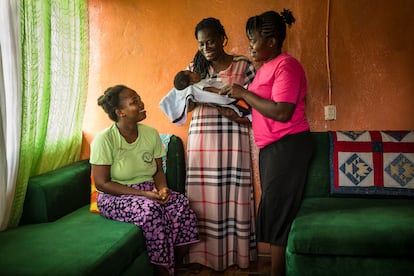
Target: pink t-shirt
[(281, 80)]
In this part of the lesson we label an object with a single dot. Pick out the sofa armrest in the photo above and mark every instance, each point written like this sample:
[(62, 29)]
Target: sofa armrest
[(54, 194), (176, 170)]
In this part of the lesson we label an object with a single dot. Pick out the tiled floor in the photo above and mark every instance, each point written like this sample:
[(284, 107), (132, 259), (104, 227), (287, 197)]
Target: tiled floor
[(260, 267)]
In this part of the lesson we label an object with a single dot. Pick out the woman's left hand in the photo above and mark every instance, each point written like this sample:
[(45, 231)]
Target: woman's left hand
[(164, 195), (228, 112), (232, 115)]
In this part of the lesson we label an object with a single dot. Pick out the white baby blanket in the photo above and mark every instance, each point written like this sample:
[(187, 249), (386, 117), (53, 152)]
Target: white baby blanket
[(175, 103)]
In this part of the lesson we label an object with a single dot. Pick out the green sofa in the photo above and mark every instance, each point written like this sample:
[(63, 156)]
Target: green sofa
[(348, 235), (58, 234)]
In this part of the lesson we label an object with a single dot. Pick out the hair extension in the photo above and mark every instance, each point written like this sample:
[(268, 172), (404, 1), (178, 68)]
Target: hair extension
[(201, 64), (109, 101)]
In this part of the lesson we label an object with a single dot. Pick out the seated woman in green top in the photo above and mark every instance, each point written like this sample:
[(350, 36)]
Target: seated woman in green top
[(127, 169)]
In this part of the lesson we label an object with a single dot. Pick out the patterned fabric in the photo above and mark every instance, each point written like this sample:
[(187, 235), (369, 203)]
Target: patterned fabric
[(164, 226), (165, 139), (53, 70), (219, 182), (372, 162)]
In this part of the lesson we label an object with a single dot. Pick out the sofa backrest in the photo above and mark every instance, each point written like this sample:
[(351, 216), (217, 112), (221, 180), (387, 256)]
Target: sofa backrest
[(54, 194), (176, 170), (57, 193), (318, 181)]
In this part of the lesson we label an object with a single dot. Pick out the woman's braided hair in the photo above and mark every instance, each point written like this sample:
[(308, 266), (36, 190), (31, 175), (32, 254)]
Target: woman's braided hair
[(109, 101), (271, 24), (201, 64)]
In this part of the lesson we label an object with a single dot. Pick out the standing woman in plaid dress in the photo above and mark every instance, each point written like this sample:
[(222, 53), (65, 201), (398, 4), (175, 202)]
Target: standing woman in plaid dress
[(219, 178)]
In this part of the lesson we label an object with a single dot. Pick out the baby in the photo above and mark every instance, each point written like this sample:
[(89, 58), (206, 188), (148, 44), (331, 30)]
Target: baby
[(189, 88), (185, 78)]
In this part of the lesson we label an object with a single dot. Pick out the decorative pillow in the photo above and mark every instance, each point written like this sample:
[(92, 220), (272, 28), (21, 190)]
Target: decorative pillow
[(372, 162), (93, 207), (165, 138)]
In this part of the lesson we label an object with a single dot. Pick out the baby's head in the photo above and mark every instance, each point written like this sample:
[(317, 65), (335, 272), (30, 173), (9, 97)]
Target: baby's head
[(185, 78)]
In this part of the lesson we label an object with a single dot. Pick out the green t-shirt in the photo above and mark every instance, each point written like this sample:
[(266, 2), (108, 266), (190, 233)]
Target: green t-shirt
[(130, 163)]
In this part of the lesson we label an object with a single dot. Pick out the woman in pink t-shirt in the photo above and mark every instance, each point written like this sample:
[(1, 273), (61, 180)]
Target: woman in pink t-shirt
[(281, 131)]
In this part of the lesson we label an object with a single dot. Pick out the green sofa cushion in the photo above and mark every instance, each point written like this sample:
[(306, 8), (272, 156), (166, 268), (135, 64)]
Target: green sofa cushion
[(56, 193), (354, 227), (331, 265), (80, 243)]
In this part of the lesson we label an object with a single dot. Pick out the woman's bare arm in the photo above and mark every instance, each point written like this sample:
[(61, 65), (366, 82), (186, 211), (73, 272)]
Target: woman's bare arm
[(278, 111)]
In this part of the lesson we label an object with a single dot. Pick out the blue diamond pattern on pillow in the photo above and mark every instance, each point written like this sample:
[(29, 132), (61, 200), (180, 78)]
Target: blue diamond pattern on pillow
[(354, 135), (397, 135), (401, 170), (356, 169), (372, 162)]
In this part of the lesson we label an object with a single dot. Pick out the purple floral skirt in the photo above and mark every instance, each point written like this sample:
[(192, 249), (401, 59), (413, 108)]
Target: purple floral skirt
[(164, 226)]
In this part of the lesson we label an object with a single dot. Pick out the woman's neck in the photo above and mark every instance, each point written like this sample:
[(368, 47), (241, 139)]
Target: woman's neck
[(274, 55), (128, 131), (222, 62)]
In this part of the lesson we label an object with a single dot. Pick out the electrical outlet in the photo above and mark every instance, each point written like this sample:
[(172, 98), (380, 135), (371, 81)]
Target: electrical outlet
[(330, 112)]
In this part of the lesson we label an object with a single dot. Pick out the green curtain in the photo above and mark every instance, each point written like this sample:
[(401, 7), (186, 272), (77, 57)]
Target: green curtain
[(54, 37)]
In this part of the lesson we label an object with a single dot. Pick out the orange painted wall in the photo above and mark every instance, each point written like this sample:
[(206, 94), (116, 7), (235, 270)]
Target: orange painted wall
[(142, 44)]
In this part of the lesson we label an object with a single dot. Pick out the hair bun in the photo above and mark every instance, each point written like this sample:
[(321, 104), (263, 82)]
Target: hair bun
[(287, 17)]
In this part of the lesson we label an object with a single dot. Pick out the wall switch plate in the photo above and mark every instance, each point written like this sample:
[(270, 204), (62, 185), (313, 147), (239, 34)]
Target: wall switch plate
[(330, 112)]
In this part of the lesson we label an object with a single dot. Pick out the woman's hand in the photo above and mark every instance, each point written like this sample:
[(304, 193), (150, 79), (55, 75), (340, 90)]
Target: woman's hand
[(162, 196), (212, 89), (232, 115), (234, 91), (191, 106), (227, 112), (165, 195), (278, 111), (160, 184)]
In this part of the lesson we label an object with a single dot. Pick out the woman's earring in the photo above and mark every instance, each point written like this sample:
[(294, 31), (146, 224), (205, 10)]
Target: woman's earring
[(225, 41)]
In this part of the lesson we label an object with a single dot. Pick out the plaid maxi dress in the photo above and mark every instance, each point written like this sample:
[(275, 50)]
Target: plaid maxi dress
[(219, 181)]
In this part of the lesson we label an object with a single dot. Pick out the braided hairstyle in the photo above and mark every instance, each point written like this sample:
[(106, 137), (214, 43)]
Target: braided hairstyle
[(201, 64), (109, 101), (271, 24)]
